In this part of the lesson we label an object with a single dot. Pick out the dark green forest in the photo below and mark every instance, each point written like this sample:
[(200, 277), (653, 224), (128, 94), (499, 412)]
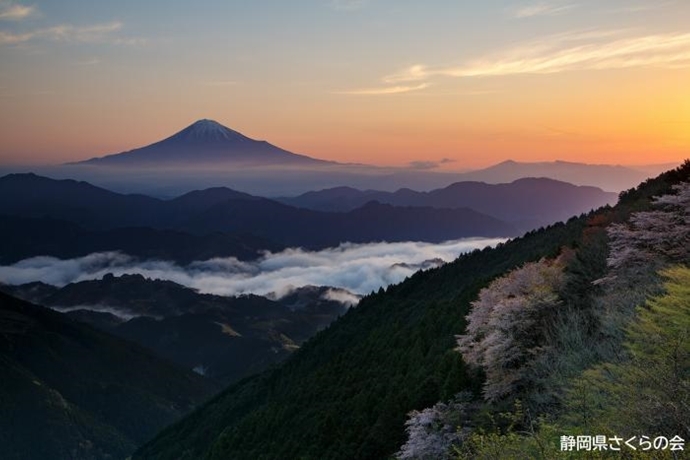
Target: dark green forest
[(72, 392), (347, 392)]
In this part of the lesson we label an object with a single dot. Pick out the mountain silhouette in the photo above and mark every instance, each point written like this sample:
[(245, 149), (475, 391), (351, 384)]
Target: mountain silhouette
[(63, 218), (206, 142)]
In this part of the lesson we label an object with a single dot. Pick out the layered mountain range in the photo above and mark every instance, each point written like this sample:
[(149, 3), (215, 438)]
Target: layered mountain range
[(66, 218), (526, 203)]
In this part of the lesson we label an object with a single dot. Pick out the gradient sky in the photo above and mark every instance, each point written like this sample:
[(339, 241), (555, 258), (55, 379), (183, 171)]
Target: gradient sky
[(390, 82)]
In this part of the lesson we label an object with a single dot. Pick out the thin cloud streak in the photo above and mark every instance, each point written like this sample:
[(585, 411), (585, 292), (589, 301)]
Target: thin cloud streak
[(15, 12), (347, 5), (542, 9), (358, 268), (568, 52), (385, 90), (89, 62), (96, 33), (650, 50), (413, 73), (642, 8)]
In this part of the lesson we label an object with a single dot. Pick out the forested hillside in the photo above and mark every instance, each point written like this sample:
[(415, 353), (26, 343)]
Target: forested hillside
[(580, 360), (346, 394), (71, 392)]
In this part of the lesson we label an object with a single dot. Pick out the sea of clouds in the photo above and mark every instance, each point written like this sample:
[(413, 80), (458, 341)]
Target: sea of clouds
[(358, 268)]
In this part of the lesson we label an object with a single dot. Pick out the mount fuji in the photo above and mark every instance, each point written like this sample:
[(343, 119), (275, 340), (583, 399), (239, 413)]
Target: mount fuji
[(206, 143)]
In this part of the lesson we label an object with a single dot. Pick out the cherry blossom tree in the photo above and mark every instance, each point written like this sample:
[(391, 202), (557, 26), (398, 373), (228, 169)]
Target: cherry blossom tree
[(432, 432), (508, 325), (652, 239)]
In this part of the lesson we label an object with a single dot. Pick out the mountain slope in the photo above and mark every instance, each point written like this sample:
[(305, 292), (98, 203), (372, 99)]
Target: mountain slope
[(226, 338), (69, 391), (346, 393), (203, 143)]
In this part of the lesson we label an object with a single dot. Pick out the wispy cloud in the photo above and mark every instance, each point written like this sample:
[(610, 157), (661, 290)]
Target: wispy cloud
[(96, 33), (580, 50), (348, 5), (541, 9), (385, 90), (567, 52), (641, 51), (8, 38), (642, 7), (427, 164), (15, 12), (89, 62), (413, 73)]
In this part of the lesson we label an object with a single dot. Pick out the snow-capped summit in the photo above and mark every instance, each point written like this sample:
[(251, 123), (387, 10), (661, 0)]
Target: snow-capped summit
[(208, 131), (206, 143)]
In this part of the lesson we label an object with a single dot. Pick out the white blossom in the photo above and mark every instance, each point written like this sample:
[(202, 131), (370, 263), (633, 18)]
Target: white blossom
[(433, 431), (651, 239), (505, 326)]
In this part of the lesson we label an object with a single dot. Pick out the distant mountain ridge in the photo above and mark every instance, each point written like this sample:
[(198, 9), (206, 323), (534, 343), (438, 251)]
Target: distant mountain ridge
[(527, 203), (205, 142), (207, 154), (103, 219), (31, 195), (372, 222), (613, 178)]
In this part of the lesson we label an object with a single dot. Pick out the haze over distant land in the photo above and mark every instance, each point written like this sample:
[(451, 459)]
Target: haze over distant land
[(207, 154), (612, 178)]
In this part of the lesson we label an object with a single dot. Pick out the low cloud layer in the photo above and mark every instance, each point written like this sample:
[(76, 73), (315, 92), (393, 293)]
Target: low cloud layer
[(359, 268), (123, 314)]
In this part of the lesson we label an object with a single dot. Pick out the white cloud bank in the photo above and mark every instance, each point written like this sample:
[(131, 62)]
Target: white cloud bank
[(359, 268)]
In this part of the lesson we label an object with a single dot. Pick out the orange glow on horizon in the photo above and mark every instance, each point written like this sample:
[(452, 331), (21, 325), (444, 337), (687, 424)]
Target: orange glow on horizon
[(610, 116)]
